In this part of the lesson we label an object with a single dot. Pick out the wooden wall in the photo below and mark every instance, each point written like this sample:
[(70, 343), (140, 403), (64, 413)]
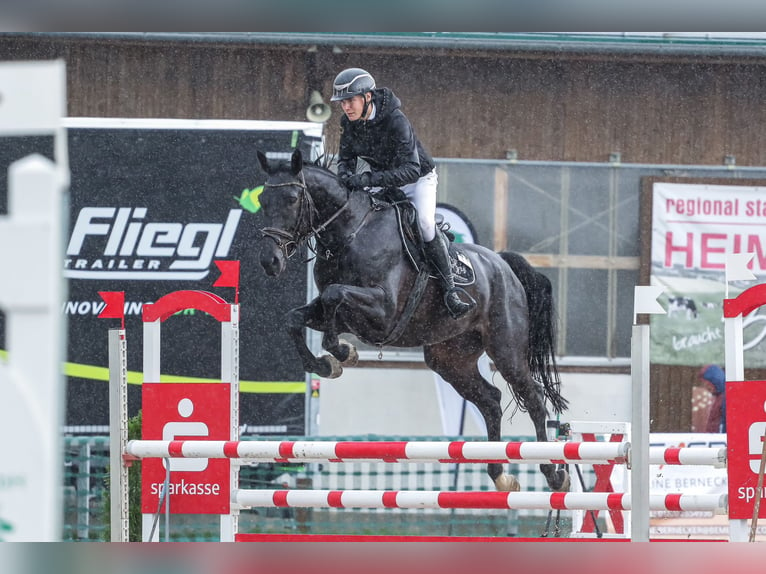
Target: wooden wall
[(671, 393), (561, 107)]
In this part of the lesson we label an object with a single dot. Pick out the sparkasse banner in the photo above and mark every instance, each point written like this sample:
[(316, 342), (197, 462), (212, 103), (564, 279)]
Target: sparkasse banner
[(152, 205), (694, 227)]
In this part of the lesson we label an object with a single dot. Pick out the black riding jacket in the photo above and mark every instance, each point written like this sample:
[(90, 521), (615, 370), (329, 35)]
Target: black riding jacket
[(387, 142)]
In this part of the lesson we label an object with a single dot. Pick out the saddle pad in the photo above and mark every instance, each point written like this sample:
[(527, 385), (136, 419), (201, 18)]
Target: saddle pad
[(462, 269)]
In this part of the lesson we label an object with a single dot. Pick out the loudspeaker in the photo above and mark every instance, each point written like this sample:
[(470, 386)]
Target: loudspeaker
[(317, 111)]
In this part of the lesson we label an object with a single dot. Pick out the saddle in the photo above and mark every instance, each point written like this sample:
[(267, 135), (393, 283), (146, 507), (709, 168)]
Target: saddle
[(412, 240)]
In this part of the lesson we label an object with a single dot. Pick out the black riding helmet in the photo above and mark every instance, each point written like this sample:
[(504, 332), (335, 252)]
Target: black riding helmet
[(352, 82)]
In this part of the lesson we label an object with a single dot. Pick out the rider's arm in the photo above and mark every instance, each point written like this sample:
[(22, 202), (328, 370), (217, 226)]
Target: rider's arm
[(346, 154), (404, 166)]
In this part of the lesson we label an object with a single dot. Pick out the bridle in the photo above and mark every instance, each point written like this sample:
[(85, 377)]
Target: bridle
[(288, 242)]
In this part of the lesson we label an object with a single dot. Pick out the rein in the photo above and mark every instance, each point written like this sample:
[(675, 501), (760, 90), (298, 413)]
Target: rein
[(304, 229)]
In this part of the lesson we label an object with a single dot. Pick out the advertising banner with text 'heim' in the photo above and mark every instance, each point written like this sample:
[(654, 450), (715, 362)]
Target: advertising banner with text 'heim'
[(694, 227)]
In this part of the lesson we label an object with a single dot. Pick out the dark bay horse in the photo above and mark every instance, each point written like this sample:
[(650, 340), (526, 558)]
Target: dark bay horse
[(365, 280)]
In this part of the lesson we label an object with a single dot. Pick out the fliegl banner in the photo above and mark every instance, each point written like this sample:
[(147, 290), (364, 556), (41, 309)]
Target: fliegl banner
[(153, 205), (694, 228)]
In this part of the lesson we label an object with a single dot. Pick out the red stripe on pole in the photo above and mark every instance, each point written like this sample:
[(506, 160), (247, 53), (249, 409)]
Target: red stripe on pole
[(473, 500), (280, 498), (286, 449), (614, 501), (558, 500), (673, 455), (390, 451), (230, 449), (455, 449), (175, 448), (572, 450), (513, 450), (389, 499), (334, 499), (673, 501)]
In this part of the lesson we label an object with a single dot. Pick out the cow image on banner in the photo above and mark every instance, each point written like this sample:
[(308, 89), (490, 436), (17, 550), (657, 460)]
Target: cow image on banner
[(186, 411)]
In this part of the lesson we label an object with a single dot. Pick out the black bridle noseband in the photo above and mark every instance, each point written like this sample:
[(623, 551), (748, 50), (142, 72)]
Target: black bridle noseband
[(289, 241)]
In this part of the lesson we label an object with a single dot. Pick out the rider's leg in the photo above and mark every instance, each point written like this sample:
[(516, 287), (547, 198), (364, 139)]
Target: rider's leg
[(422, 194), (436, 251)]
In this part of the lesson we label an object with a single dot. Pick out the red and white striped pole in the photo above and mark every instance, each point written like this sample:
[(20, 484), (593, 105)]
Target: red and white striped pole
[(476, 500), (421, 451)]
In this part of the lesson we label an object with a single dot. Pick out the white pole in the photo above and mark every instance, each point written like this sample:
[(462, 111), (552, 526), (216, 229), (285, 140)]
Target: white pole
[(735, 371), (118, 435), (152, 362), (639, 440), (32, 393), (229, 523)]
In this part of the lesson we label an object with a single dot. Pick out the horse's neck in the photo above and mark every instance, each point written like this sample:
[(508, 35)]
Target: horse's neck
[(328, 195)]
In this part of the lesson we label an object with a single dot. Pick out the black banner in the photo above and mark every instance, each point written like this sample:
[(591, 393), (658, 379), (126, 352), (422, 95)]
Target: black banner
[(150, 210)]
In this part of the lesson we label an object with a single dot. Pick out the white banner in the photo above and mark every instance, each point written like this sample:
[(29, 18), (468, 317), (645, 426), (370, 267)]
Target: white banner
[(696, 231)]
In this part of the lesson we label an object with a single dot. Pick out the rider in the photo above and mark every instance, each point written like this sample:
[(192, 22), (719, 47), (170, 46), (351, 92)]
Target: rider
[(375, 129)]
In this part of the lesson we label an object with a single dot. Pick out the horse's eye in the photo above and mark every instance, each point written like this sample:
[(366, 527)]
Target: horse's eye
[(292, 199)]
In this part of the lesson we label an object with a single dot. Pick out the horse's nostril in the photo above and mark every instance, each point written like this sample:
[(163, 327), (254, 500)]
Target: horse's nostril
[(272, 263)]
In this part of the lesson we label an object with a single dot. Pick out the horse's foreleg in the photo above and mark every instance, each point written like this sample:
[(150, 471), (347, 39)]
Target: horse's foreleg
[(353, 309), (341, 349), (296, 321)]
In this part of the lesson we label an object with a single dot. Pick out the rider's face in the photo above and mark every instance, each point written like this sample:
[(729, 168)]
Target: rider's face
[(353, 107)]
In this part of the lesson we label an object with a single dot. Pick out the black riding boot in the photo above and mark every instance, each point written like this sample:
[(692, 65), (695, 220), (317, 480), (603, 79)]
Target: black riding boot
[(436, 251)]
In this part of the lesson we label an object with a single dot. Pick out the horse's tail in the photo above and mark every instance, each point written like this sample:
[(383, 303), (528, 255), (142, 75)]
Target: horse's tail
[(541, 354)]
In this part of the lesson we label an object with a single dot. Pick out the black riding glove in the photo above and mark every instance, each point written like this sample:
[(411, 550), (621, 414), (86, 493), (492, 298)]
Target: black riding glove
[(358, 181)]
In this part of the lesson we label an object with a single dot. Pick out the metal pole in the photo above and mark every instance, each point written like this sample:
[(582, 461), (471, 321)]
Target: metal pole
[(639, 449)]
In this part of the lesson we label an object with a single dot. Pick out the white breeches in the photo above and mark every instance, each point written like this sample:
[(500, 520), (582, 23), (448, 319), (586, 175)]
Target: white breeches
[(422, 194)]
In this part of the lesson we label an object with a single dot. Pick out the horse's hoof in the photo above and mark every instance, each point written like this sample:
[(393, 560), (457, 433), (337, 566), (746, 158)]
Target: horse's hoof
[(333, 366), (353, 355), (507, 483), (565, 481)]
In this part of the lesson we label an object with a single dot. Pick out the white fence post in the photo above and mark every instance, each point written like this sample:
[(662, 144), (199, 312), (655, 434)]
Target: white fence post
[(32, 102)]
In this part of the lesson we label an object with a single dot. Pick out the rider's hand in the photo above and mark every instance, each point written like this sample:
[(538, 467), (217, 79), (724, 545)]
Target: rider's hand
[(358, 181)]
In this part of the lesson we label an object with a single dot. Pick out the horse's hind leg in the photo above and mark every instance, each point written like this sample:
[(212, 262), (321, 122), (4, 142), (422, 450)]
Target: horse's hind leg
[(512, 366), (456, 361)]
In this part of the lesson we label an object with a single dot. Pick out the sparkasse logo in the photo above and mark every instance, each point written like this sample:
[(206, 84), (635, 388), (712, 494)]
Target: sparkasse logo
[(123, 243)]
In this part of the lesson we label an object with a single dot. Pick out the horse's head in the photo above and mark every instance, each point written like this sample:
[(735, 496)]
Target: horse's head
[(288, 210)]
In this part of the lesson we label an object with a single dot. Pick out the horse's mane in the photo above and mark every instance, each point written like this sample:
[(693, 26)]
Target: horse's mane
[(325, 161), (321, 167)]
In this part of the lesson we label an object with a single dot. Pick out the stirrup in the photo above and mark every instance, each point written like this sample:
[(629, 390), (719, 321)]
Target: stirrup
[(461, 307)]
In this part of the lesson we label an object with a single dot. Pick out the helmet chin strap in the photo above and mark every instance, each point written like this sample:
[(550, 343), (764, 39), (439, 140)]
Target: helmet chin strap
[(366, 106)]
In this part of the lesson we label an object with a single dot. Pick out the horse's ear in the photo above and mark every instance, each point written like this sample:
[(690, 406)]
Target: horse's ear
[(263, 160), (296, 161)]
